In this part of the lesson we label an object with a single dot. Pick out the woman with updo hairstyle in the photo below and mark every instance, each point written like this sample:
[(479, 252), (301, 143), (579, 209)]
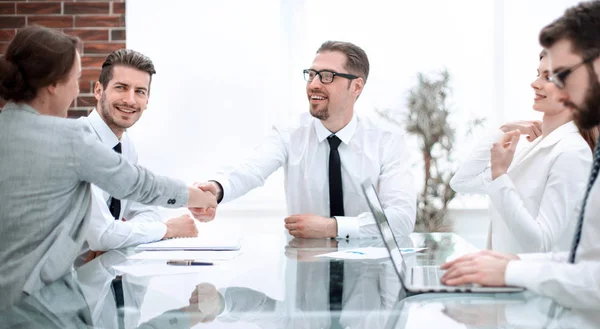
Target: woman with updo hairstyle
[(47, 163), (38, 59), (535, 193)]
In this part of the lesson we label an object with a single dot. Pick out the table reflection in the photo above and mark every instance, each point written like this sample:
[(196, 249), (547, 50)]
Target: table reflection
[(247, 294)]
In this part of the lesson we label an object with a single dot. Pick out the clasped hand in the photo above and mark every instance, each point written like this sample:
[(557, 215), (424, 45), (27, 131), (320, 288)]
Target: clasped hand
[(205, 214), (503, 151), (309, 226)]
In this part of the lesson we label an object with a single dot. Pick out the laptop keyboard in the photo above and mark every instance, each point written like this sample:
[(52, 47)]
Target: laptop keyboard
[(427, 275), (433, 275)]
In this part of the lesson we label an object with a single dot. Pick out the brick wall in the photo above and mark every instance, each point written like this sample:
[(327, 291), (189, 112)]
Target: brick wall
[(99, 24)]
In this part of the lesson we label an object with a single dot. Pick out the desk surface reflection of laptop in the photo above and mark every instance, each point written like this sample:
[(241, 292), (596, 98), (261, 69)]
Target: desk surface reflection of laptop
[(416, 279)]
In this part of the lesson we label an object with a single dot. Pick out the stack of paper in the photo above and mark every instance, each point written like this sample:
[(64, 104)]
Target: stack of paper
[(193, 244), (179, 255), (366, 253)]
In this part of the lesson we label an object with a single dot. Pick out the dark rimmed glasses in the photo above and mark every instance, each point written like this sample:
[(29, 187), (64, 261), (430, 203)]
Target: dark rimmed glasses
[(559, 78), (326, 76)]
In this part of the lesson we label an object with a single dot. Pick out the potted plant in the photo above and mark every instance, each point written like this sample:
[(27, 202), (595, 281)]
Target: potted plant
[(427, 118)]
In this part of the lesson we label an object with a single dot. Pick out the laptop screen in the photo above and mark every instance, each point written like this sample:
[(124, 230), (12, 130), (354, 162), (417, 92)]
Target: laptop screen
[(384, 227)]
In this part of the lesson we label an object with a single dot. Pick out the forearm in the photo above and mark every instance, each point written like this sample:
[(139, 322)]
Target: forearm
[(474, 173), (101, 166), (147, 220), (253, 172), (402, 223), (125, 234), (139, 213), (571, 285), (559, 257), (246, 304), (239, 182)]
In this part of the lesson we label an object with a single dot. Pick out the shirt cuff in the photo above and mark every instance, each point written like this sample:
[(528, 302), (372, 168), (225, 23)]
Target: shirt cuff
[(220, 196), (522, 273), (156, 231), (536, 257), (347, 227), (495, 189), (347, 244), (225, 188)]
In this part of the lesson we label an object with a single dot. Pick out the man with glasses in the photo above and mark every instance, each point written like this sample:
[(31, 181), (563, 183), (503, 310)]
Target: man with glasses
[(572, 277), (327, 155)]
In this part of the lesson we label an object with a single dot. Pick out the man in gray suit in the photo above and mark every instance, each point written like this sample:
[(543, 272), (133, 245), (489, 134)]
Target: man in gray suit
[(48, 163), (571, 278), (122, 95)]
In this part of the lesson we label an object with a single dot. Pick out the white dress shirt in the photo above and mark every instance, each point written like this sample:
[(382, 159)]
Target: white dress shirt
[(367, 152), (140, 224), (549, 274), (536, 201)]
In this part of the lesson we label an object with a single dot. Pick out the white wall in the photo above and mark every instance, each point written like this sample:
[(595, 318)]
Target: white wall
[(523, 21), (219, 84), (227, 70)]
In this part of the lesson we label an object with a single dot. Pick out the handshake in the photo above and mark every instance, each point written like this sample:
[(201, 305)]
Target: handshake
[(304, 226), (202, 203), (210, 194)]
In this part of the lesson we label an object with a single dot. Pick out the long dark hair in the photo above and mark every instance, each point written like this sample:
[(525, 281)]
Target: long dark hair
[(35, 58), (590, 136)]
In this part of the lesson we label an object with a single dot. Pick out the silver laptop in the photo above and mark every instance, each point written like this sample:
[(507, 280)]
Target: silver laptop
[(416, 279)]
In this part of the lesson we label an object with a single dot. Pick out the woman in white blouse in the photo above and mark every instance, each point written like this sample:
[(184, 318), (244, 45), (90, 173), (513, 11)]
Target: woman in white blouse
[(534, 195)]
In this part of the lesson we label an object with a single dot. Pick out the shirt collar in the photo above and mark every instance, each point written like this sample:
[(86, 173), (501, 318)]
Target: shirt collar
[(345, 134), (106, 135), (558, 134)]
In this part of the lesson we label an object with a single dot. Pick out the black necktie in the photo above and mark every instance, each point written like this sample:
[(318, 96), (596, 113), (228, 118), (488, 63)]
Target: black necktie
[(336, 195), (336, 208), (115, 204), (593, 176)]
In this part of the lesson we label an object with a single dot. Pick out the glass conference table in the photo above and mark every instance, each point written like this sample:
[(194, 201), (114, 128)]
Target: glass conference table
[(277, 282)]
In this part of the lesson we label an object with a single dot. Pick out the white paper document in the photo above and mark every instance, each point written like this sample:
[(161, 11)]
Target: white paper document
[(194, 244), (366, 253), (181, 255), (141, 270)]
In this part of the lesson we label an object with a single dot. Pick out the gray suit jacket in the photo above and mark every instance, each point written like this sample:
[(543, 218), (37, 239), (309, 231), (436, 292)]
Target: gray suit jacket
[(47, 165)]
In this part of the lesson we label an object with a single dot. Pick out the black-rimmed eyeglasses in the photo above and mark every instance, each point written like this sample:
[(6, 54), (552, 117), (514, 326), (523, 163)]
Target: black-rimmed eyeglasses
[(559, 78), (326, 76)]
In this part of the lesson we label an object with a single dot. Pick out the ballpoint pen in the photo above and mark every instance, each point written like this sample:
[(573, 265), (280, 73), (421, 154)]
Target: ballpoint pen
[(189, 262)]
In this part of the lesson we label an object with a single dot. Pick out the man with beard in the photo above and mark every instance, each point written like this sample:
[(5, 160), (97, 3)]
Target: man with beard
[(572, 278), (328, 154), (122, 93)]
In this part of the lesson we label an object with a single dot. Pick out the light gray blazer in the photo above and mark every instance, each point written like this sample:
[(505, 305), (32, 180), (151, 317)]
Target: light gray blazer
[(46, 167)]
